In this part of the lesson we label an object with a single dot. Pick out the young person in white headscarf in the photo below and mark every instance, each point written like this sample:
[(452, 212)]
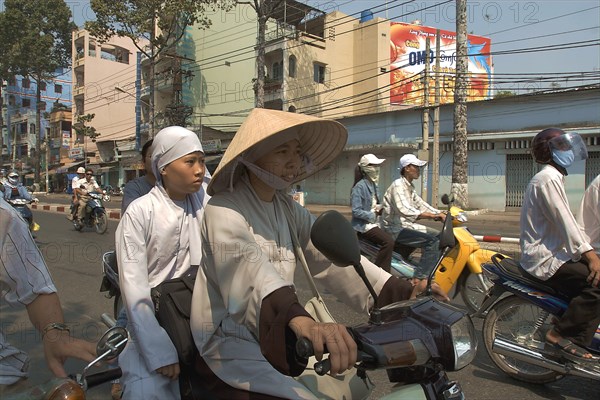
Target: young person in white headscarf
[(246, 317), (158, 239)]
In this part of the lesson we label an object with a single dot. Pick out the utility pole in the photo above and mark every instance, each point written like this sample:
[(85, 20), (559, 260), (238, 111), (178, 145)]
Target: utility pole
[(435, 165), (460, 163), (425, 146)]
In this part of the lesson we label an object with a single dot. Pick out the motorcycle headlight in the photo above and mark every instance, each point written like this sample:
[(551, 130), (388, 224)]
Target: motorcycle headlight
[(464, 342)]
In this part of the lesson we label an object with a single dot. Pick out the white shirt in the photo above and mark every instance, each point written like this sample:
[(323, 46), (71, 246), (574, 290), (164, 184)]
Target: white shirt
[(74, 181), (402, 206), (588, 216), (247, 255), (134, 189), (550, 235), (23, 276)]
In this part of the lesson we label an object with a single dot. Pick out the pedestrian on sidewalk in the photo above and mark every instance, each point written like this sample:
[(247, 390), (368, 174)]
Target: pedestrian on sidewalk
[(367, 208)]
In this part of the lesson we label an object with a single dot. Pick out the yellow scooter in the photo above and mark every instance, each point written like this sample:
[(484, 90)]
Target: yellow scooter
[(461, 267)]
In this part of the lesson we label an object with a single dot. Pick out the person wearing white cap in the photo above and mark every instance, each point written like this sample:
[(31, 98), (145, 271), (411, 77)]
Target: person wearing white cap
[(402, 207), (158, 238), (246, 315), (366, 208)]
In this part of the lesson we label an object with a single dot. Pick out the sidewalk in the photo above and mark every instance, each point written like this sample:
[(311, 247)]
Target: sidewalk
[(60, 202)]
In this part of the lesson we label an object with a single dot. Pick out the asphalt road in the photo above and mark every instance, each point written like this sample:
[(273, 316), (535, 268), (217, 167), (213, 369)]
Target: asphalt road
[(74, 259)]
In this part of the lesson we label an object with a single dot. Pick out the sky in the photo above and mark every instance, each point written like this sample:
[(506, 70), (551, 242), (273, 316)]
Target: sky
[(571, 27)]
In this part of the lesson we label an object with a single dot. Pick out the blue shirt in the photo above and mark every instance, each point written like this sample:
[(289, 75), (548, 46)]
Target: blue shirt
[(362, 196)]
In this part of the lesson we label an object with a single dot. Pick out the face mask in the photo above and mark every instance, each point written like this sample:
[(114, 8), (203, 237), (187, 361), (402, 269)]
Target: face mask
[(267, 177), (564, 158), (372, 172)]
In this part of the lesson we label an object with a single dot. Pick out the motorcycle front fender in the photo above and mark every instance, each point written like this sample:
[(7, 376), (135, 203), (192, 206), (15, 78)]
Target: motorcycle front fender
[(480, 257), (413, 391)]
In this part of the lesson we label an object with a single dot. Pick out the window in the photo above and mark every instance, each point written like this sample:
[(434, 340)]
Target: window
[(42, 105), (277, 71), (26, 103), (42, 85), (25, 83), (57, 88), (292, 66), (319, 73)]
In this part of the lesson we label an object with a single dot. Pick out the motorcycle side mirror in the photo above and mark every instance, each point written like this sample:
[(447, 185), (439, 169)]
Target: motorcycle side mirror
[(112, 343), (446, 199), (333, 235)]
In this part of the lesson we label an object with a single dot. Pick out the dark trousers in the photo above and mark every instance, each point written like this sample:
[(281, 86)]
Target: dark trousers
[(582, 317), (385, 241), (428, 242)]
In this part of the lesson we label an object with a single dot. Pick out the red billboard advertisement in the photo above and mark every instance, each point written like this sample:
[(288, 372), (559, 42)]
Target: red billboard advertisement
[(408, 56)]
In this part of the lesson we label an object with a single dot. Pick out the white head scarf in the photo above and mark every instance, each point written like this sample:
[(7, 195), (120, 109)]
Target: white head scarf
[(170, 144)]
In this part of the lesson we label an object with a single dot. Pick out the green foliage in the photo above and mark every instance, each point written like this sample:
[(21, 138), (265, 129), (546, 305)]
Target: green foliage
[(134, 19), (82, 128), (35, 37), (504, 93)]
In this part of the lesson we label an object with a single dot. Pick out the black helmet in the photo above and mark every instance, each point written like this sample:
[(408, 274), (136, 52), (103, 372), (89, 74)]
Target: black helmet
[(540, 148)]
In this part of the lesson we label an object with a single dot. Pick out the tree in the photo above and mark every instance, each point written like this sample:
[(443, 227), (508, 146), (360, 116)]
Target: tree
[(460, 163), (35, 39), (265, 9), (81, 128), (162, 23)]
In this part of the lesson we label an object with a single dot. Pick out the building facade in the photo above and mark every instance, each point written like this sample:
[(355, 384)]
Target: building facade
[(101, 73), (20, 135)]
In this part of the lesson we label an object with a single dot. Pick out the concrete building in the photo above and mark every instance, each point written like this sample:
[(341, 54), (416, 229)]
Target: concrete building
[(499, 136), (99, 68), (18, 137)]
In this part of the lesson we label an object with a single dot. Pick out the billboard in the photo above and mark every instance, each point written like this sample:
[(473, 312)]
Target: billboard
[(407, 63)]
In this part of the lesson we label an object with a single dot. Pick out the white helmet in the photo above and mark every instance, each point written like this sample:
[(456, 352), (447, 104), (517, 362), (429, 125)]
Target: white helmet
[(81, 170), (13, 178)]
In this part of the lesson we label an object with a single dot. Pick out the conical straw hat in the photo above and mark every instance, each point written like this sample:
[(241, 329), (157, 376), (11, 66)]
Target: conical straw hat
[(320, 139)]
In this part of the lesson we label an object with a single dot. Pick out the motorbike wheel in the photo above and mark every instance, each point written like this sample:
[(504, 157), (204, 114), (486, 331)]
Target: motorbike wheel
[(101, 223), (513, 319), (473, 291)]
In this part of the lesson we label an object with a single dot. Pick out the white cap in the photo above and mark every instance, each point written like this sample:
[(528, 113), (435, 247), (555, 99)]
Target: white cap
[(411, 159), (370, 159), (81, 170)]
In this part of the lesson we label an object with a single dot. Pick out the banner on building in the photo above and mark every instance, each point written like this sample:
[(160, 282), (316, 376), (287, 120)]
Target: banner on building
[(76, 153), (66, 139), (211, 146), (407, 59)]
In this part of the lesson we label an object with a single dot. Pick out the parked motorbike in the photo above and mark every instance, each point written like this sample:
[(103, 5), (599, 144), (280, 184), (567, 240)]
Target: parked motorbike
[(95, 214), (460, 268), (74, 387), (415, 341), (21, 206), (515, 327)]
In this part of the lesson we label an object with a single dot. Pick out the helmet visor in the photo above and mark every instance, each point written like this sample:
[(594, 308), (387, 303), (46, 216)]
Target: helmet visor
[(570, 141)]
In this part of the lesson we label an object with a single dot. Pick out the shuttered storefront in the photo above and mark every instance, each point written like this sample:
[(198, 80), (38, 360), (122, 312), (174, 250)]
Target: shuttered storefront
[(520, 168)]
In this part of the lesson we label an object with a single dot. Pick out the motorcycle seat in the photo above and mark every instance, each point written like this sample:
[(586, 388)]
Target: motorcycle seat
[(514, 270), (110, 264)]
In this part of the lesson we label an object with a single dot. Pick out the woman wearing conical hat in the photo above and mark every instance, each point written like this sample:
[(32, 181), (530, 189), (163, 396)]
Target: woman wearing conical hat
[(245, 313)]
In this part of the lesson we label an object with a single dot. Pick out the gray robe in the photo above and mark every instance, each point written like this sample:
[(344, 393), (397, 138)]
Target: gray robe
[(247, 255)]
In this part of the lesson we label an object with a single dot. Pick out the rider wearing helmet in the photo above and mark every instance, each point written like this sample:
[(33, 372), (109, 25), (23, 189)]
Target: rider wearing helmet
[(554, 248), (75, 206), (85, 186), (14, 189)]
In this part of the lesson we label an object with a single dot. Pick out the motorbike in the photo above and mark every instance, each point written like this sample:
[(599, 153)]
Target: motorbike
[(95, 214), (416, 341), (74, 387), (520, 311), (460, 268), (20, 205)]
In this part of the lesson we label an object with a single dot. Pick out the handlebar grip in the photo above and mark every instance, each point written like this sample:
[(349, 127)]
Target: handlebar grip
[(304, 349), (104, 376)]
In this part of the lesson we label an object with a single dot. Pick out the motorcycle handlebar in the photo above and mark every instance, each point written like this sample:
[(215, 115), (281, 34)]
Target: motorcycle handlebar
[(102, 377), (304, 349)]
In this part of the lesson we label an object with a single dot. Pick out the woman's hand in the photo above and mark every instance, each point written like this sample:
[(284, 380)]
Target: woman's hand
[(341, 346), (170, 371)]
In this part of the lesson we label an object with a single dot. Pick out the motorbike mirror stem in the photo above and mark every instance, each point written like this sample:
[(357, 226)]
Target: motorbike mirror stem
[(375, 314)]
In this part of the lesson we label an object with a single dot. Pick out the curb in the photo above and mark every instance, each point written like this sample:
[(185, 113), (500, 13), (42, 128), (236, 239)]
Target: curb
[(111, 213)]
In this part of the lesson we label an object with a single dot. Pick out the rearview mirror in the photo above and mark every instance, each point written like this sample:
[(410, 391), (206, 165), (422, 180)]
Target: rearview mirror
[(333, 235)]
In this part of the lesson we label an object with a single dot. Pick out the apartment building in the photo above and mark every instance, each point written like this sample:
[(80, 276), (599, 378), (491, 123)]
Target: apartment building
[(19, 135), (102, 76)]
